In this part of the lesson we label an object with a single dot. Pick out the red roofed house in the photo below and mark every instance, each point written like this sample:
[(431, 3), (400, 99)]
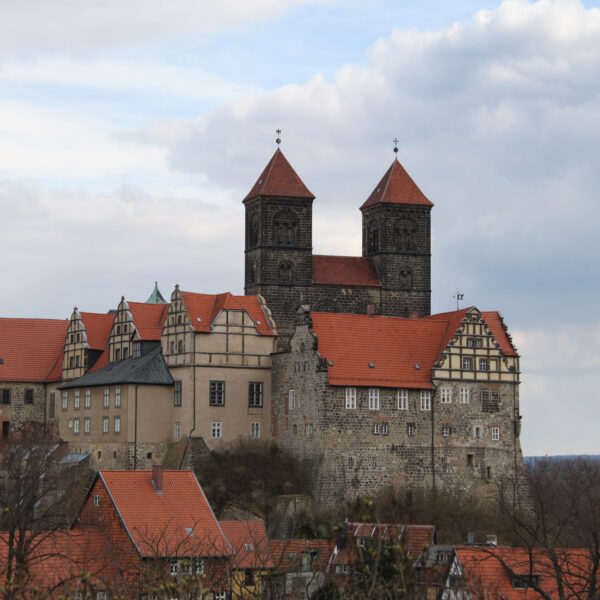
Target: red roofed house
[(252, 561), (218, 349), (161, 532), (377, 401), (393, 273), (300, 568), (484, 572), (30, 367)]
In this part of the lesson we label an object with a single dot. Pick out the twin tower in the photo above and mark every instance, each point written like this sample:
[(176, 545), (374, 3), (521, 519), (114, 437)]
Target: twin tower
[(393, 274)]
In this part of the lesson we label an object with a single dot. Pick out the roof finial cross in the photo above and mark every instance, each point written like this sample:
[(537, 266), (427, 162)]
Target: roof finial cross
[(395, 140), (278, 140)]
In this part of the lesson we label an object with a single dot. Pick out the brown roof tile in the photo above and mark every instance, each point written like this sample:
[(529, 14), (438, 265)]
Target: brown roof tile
[(250, 544)]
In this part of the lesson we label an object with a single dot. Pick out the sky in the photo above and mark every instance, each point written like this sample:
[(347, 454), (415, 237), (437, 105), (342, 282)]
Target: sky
[(131, 131)]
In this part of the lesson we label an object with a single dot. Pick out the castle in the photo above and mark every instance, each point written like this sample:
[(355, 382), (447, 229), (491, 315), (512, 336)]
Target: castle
[(337, 359)]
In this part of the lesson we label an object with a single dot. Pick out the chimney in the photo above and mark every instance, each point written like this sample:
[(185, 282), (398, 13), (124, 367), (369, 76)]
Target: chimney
[(157, 478), (414, 315), (470, 537), (371, 310)]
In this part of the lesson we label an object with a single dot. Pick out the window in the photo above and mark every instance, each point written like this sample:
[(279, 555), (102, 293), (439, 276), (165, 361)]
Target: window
[(174, 567), (218, 595), (446, 395), (65, 400), (402, 399), (172, 347), (248, 577), (106, 397), (478, 343), (477, 432), (469, 460), (496, 434), (295, 429), (255, 430), (117, 424), (29, 396), (464, 395), (76, 425), (216, 430), (177, 394), (350, 462), (385, 429), (375, 428), (373, 399), (117, 397), (309, 429), (117, 354), (483, 364), (177, 430), (104, 424), (446, 430), (470, 343), (216, 394), (180, 346), (86, 424), (137, 350), (52, 407), (198, 566), (410, 429), (76, 400), (96, 499), (425, 400), (350, 398), (87, 402), (71, 362), (255, 394), (6, 396), (292, 400), (467, 364), (523, 582)]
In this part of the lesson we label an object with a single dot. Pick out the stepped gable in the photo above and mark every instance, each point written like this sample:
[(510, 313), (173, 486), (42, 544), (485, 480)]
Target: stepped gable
[(203, 309), (393, 345), (344, 270), (31, 350), (173, 520), (149, 369), (397, 187), (250, 544), (97, 328), (148, 319), (279, 179)]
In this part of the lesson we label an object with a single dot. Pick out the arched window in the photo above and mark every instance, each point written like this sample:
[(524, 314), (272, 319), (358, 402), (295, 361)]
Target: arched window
[(253, 230), (405, 232), (253, 274), (285, 228), (406, 277), (373, 239), (285, 272)]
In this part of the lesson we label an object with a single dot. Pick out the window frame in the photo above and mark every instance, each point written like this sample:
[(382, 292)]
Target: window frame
[(255, 430), (177, 393), (464, 395), (425, 400), (446, 395), (87, 398), (291, 399), (216, 393), (65, 400), (216, 430), (484, 365), (75, 425), (118, 397), (87, 425), (350, 398), (76, 400), (374, 399), (495, 434), (255, 394), (467, 363), (117, 424), (105, 425), (402, 399), (106, 398)]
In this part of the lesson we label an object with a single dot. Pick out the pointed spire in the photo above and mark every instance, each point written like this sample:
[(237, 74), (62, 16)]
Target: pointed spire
[(156, 297), (397, 187), (279, 179)]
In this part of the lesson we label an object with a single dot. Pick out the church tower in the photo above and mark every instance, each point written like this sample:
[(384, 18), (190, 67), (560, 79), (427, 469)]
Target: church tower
[(278, 254), (397, 238)]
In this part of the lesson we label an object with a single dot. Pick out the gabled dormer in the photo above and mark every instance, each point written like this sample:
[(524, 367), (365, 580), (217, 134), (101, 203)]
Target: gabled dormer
[(477, 348)]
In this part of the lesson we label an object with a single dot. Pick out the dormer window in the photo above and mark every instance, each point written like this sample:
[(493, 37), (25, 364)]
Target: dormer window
[(523, 582)]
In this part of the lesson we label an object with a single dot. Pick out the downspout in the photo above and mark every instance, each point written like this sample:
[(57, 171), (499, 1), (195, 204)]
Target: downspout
[(193, 395), (135, 430)]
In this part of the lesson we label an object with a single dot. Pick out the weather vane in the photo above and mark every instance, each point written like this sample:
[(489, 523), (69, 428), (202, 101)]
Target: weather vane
[(396, 145), (459, 296), (278, 140)]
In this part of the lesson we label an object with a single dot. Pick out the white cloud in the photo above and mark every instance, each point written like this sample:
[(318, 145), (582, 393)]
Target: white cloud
[(42, 26)]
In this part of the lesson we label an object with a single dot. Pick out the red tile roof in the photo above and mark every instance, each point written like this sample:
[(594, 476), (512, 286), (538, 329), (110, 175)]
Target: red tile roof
[(97, 328), (61, 557), (279, 179), (203, 309), (177, 522), (32, 349), (148, 319), (486, 577), (413, 538), (344, 270), (391, 344), (250, 544), (396, 187), (287, 554)]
